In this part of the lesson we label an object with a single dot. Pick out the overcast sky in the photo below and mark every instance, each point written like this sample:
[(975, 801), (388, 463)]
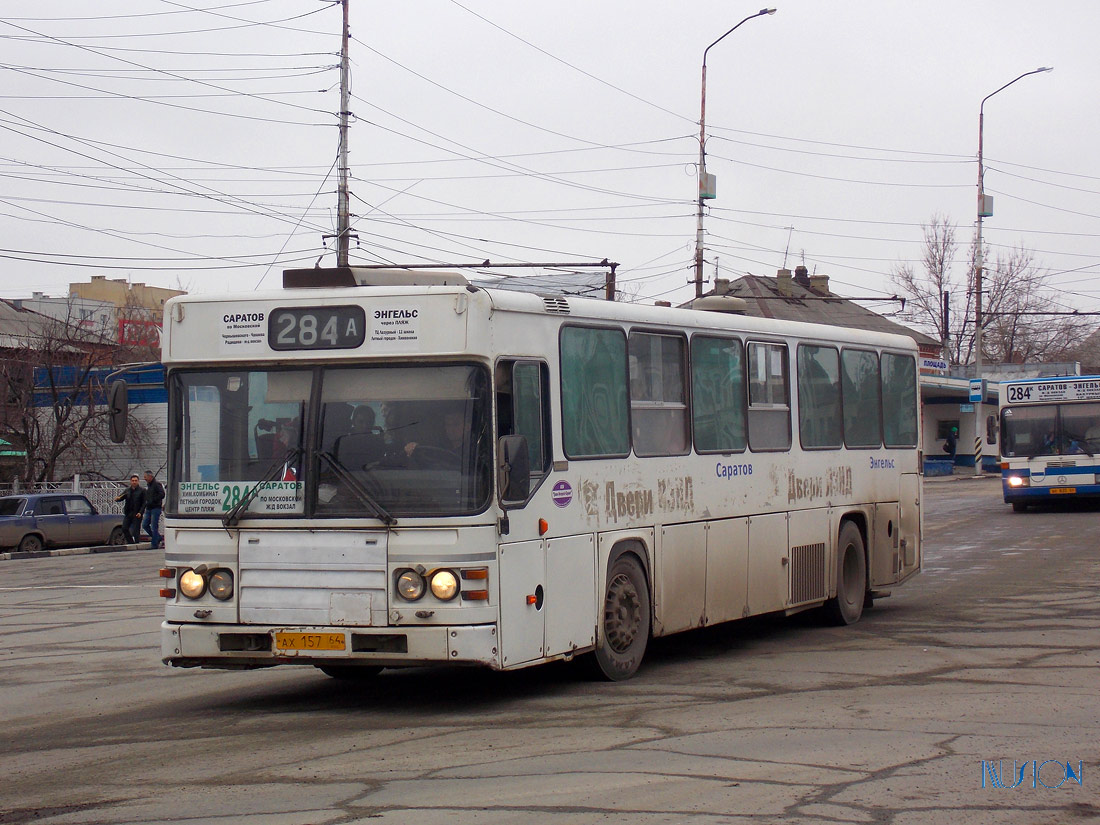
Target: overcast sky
[(192, 144)]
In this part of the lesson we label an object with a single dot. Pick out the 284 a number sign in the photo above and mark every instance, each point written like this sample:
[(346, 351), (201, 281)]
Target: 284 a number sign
[(298, 328)]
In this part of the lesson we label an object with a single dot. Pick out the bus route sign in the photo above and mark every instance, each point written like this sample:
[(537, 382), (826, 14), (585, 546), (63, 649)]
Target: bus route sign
[(273, 497), (1065, 390)]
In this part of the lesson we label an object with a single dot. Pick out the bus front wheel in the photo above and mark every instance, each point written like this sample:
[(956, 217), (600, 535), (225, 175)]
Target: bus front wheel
[(851, 577), (625, 621)]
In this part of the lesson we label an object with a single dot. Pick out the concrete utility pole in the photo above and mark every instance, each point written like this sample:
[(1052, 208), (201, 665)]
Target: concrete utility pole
[(343, 209), (706, 182), (985, 210)]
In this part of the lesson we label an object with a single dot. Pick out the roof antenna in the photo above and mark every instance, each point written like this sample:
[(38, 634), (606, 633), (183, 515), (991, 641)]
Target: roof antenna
[(788, 249)]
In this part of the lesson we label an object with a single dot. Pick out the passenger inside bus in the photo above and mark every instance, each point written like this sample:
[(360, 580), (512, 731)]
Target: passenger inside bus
[(446, 445), (1049, 443), (362, 419)]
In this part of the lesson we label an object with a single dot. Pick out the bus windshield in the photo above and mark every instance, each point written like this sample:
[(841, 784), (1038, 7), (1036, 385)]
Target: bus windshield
[(332, 442), (1051, 429)]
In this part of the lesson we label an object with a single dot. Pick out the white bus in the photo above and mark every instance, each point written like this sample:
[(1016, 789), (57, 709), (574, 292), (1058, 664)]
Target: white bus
[(423, 471), (1050, 440)]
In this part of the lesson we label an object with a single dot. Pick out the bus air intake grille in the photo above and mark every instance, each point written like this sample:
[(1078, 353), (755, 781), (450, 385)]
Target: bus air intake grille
[(1060, 465), (807, 573), (556, 305)]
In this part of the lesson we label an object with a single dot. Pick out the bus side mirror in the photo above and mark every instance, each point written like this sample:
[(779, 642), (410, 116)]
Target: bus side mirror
[(514, 465), (991, 429), (118, 407)]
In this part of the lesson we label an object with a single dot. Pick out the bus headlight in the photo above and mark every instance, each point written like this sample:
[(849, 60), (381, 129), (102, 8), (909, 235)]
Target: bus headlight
[(444, 585), (410, 585), (221, 585), (191, 584), (1018, 481)]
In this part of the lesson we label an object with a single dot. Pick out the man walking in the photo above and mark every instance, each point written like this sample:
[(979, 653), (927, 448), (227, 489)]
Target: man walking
[(133, 498), (154, 506)]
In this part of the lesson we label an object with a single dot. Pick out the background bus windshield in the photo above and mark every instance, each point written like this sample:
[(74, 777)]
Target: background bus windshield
[(1051, 429)]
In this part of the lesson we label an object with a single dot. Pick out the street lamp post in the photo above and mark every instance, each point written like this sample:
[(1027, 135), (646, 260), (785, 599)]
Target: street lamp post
[(705, 192), (985, 210)]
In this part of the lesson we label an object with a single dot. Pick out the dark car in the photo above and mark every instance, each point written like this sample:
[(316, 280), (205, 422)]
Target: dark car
[(31, 522)]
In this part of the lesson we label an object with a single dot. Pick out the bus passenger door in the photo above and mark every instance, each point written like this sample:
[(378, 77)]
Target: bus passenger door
[(727, 570), (909, 549), (522, 598)]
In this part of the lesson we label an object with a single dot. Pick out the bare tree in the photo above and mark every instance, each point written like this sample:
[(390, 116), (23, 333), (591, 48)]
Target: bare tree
[(1088, 353), (924, 290), (1021, 324), (1019, 320)]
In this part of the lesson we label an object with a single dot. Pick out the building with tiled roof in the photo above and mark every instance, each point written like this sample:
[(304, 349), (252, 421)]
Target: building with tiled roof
[(799, 296)]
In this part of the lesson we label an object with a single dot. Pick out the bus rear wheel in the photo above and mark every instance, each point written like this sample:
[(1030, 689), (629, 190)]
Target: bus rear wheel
[(851, 578), (625, 621)]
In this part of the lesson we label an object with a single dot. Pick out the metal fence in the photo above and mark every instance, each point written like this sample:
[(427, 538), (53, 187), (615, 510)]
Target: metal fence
[(100, 493)]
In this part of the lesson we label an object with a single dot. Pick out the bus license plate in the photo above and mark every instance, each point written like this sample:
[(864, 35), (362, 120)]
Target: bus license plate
[(1062, 490), (310, 641)]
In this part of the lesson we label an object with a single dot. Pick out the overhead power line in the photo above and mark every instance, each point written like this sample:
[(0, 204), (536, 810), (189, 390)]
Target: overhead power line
[(564, 62)]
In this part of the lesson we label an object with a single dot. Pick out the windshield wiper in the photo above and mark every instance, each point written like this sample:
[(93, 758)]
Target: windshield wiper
[(232, 518), (346, 476)]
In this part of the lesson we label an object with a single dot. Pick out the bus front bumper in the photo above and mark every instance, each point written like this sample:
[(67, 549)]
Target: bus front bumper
[(234, 647), (1038, 495)]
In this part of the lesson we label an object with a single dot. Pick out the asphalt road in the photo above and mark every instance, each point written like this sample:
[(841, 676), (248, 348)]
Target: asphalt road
[(991, 654)]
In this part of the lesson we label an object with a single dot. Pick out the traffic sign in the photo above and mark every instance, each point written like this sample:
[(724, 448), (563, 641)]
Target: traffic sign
[(976, 390)]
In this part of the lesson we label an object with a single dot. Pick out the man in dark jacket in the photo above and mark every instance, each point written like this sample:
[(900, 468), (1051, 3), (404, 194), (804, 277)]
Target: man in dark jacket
[(951, 442), (133, 498), (154, 506)]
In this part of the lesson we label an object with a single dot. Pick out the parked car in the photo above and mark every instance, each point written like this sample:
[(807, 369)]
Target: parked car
[(31, 522)]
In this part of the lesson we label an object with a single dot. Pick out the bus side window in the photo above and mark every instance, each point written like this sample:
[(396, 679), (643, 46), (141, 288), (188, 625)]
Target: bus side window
[(819, 417), (769, 397), (860, 390), (718, 394), (899, 400), (523, 408), (594, 392), (658, 394)]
